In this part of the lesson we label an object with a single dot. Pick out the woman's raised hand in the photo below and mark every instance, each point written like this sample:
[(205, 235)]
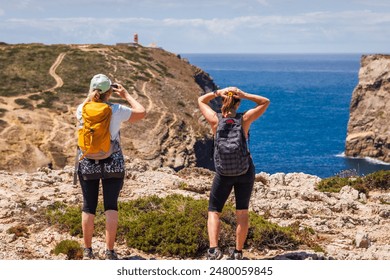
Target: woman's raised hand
[(120, 90), (236, 92)]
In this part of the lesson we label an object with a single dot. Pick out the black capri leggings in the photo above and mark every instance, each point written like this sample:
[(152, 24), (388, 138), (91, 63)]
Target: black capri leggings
[(90, 188), (222, 187)]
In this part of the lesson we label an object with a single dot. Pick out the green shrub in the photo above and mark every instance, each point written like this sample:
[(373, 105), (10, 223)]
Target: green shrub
[(48, 99), (377, 180), (181, 103), (177, 226), (70, 248), (264, 234), (25, 103), (333, 184), (306, 235), (171, 226), (35, 97), (67, 218), (2, 112)]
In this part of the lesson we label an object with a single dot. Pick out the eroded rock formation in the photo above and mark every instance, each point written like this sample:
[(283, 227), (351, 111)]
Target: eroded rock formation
[(369, 121)]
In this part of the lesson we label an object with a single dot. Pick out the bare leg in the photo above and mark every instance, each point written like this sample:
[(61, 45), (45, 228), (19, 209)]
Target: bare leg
[(213, 227), (88, 228), (242, 228), (111, 228)]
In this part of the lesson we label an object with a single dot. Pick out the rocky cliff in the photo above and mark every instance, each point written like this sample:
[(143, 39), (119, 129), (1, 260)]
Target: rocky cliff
[(369, 122), (42, 85)]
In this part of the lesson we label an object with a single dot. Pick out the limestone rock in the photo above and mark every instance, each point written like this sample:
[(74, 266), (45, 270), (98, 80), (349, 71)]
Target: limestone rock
[(362, 240), (369, 120)]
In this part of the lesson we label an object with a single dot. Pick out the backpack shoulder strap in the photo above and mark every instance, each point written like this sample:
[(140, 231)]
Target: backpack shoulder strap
[(239, 117), (76, 166), (220, 123)]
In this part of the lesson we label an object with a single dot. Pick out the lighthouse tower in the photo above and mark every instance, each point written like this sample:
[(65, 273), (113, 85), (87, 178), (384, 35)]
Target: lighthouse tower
[(136, 39)]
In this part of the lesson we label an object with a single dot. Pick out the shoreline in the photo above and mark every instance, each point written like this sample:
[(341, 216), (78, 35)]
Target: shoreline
[(370, 160)]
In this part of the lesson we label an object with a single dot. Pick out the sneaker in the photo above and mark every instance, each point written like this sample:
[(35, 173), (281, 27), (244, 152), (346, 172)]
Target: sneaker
[(111, 255), (214, 254), (235, 255), (88, 254)]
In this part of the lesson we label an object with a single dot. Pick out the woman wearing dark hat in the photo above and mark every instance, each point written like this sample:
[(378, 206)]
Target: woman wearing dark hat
[(107, 167), (233, 163)]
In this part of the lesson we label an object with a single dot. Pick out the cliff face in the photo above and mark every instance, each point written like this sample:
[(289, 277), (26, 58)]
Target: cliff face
[(42, 86), (369, 121)]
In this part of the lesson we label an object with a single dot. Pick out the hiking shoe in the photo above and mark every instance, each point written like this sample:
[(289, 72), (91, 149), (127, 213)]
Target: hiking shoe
[(111, 255), (88, 254), (214, 254), (235, 255)]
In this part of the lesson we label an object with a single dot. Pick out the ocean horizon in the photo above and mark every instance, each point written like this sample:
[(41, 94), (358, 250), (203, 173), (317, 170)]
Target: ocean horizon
[(305, 126)]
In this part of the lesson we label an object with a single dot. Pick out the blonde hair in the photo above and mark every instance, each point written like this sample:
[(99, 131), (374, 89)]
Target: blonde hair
[(228, 104)]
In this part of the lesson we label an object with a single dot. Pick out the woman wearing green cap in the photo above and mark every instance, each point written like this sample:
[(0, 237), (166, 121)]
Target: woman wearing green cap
[(106, 166)]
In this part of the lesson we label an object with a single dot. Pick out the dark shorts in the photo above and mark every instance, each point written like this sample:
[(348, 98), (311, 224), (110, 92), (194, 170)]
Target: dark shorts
[(223, 185), (90, 189)]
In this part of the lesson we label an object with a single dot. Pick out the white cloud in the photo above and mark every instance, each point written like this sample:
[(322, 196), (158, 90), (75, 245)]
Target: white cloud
[(226, 26), (1, 12), (321, 29), (217, 25)]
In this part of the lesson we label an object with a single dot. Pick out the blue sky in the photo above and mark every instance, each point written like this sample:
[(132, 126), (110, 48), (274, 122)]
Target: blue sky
[(204, 26)]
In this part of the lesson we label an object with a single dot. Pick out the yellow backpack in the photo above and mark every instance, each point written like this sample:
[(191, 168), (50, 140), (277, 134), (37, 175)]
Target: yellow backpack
[(94, 138)]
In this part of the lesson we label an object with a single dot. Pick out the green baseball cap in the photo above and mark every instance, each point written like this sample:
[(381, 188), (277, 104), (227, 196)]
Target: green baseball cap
[(100, 82)]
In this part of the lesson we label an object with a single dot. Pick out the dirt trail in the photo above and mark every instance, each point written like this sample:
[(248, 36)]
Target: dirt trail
[(35, 128), (52, 72), (151, 105), (9, 102)]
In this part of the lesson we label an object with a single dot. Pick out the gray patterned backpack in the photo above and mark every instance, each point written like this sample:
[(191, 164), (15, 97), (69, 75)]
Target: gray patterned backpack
[(231, 153)]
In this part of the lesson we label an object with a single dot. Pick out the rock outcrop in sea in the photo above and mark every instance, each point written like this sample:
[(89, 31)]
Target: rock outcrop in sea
[(369, 121)]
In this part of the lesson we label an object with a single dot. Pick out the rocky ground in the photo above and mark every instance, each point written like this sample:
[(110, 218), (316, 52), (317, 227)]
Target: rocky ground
[(349, 225)]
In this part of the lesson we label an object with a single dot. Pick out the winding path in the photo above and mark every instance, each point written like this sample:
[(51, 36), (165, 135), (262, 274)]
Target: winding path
[(52, 72), (31, 137)]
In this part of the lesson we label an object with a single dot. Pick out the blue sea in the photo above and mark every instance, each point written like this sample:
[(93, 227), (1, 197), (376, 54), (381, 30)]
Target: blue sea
[(305, 126)]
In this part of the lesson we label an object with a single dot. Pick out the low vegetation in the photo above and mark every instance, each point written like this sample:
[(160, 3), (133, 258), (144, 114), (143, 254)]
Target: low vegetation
[(24, 68), (379, 180), (2, 112), (24, 103), (19, 231), (177, 226), (70, 248)]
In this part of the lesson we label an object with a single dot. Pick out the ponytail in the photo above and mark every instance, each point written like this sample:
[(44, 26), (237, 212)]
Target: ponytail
[(228, 104)]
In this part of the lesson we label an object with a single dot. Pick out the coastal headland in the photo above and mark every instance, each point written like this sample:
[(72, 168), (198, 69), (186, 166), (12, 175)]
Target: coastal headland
[(167, 154)]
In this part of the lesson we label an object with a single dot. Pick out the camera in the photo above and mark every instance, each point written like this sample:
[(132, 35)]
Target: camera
[(114, 85)]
